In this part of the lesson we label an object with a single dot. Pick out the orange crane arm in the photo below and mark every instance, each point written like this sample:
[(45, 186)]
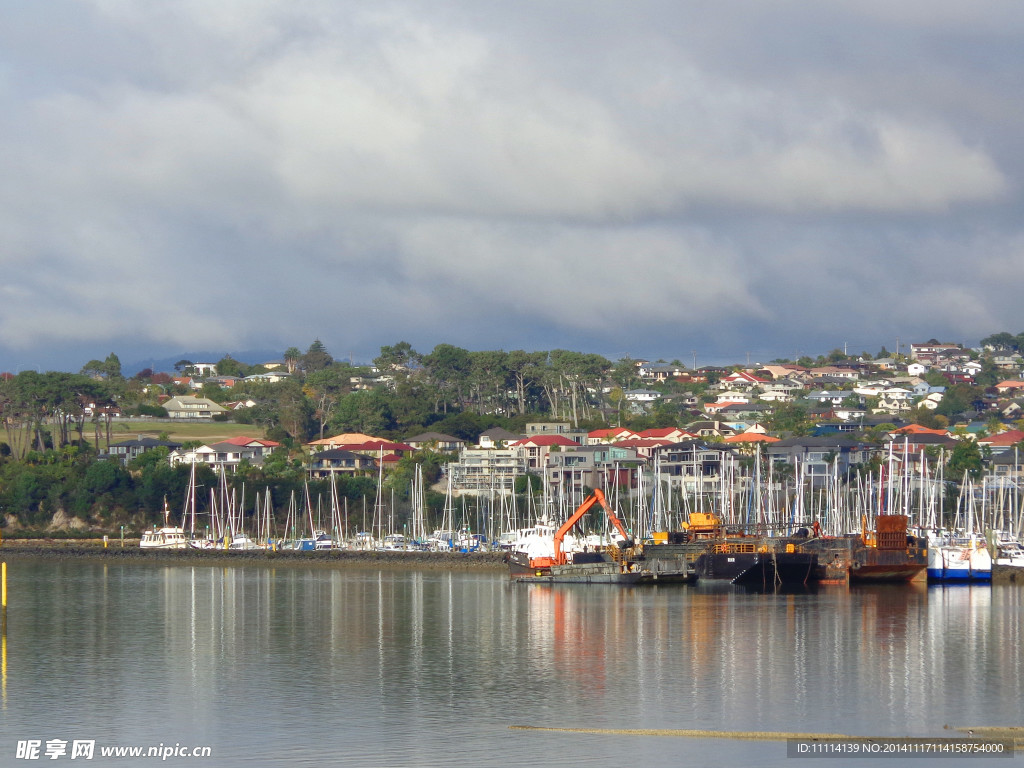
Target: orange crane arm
[(597, 497)]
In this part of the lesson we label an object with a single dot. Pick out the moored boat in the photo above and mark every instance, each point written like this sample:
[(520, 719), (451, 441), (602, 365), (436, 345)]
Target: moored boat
[(167, 537), (958, 559)]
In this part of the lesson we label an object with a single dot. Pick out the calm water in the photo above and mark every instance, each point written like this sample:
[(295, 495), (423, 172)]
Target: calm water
[(302, 667)]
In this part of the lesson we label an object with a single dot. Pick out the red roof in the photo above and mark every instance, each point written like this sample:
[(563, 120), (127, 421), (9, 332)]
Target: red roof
[(917, 429), (645, 442), (242, 440), (658, 432), (541, 440), (610, 432), (750, 437), (1010, 437)]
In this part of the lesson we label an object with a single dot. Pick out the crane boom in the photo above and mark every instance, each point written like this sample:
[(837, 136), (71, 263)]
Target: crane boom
[(597, 497)]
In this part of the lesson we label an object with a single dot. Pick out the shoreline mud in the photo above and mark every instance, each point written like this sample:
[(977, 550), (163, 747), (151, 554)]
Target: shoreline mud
[(91, 550)]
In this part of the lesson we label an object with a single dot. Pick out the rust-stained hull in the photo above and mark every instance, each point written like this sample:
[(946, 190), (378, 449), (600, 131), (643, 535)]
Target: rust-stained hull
[(848, 560)]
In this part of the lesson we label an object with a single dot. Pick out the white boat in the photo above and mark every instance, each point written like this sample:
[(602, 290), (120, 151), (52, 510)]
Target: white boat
[(958, 559), (167, 537), (1009, 553)]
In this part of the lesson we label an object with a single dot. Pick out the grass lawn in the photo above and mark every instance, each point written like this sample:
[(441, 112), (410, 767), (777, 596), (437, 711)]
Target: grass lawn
[(204, 432)]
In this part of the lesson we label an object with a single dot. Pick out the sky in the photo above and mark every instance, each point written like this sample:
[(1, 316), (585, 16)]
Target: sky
[(708, 182)]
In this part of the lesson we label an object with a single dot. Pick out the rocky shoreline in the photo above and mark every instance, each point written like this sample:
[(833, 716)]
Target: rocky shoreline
[(86, 550)]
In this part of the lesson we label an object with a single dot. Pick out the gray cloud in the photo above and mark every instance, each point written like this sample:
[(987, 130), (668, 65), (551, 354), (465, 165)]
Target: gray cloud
[(655, 178)]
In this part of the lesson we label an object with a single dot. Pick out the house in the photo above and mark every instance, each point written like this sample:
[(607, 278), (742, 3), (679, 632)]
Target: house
[(710, 429), (127, 450), (337, 461), (592, 466), (187, 382), (237, 405), (224, 382), (672, 434), (742, 380), (270, 377), (744, 412), (923, 389), (535, 450), (778, 372), (225, 455), (340, 441), (543, 428), (203, 369), (382, 450), (1002, 442), (486, 469), (831, 397), (917, 369), (610, 435), (931, 352), (644, 447), (261, 446), (733, 396), (659, 372), (694, 466), (497, 437), (834, 372), (819, 455), (1010, 387), (192, 408), (641, 395), (436, 441)]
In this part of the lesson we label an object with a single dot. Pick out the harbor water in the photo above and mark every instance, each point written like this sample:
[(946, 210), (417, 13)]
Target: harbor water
[(306, 667)]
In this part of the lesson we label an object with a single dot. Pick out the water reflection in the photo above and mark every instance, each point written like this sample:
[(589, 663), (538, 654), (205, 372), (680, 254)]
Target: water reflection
[(275, 666)]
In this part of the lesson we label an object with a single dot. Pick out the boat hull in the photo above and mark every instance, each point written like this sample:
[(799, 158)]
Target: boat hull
[(589, 573)]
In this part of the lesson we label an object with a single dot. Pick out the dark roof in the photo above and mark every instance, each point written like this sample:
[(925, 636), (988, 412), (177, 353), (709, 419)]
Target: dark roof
[(924, 438), (823, 441), (146, 442)]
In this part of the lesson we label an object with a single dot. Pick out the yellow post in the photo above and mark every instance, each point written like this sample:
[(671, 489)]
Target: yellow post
[(3, 595)]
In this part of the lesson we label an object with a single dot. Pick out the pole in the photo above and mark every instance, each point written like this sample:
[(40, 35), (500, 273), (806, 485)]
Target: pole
[(3, 597)]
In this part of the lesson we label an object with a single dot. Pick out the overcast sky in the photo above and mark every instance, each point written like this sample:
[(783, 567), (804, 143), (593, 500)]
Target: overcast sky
[(654, 179)]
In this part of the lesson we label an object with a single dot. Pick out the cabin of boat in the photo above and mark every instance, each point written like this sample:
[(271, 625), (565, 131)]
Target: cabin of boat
[(168, 537)]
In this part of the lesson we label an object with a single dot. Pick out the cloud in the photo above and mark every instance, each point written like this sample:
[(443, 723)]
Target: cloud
[(577, 170)]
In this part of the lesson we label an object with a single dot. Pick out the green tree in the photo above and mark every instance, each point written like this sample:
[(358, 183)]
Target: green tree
[(525, 371), (228, 366), (400, 357), (367, 411), (292, 355), (449, 367), (964, 458), (316, 358)]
